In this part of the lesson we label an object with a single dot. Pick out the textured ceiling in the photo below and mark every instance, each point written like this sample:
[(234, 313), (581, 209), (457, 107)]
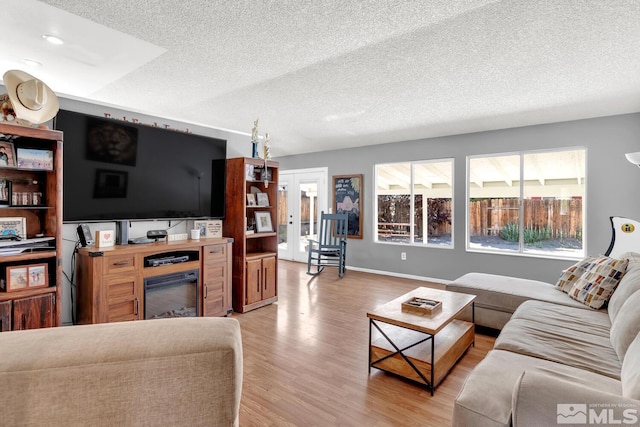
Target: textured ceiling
[(329, 74)]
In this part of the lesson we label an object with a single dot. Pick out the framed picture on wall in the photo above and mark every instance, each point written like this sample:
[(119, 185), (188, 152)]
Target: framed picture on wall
[(347, 197), (111, 142), (110, 184)]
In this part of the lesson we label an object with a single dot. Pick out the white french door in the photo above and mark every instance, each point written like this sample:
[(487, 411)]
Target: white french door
[(302, 195)]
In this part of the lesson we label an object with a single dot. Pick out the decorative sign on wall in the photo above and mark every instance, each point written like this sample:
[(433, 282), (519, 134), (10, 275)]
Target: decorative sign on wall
[(347, 197)]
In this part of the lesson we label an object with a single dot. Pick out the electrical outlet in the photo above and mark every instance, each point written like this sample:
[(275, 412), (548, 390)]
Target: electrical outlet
[(403, 256)]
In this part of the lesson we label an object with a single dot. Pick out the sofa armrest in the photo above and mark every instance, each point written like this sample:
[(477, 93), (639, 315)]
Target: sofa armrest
[(542, 399), (181, 371)]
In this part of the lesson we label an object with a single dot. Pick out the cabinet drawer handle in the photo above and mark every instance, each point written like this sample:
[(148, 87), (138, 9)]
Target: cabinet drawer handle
[(136, 307), (206, 290), (121, 263), (215, 250)]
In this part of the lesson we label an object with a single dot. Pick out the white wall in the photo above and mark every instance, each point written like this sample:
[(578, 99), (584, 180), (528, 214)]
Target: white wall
[(611, 183)]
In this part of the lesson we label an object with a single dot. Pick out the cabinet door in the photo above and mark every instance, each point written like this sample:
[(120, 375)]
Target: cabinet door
[(268, 277), (254, 281), (5, 316), (34, 312), (215, 275), (214, 299), (123, 297)]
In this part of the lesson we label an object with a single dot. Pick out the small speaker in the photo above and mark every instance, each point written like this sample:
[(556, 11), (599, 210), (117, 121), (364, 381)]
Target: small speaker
[(84, 234), (122, 232)]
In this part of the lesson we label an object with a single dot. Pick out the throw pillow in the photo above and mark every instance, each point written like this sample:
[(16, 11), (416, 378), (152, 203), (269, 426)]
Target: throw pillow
[(573, 273), (598, 282)]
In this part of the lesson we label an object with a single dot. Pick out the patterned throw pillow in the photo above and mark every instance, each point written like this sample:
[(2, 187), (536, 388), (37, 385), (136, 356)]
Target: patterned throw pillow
[(594, 287), (573, 273)]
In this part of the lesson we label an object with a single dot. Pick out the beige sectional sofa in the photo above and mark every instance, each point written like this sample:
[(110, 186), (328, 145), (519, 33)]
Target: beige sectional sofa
[(166, 372), (497, 297), (555, 363)]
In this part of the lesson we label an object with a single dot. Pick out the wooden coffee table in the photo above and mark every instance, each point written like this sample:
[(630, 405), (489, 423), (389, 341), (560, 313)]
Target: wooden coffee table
[(421, 348)]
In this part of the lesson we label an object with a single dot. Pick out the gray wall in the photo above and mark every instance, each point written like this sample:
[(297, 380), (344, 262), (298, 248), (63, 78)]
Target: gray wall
[(611, 183)]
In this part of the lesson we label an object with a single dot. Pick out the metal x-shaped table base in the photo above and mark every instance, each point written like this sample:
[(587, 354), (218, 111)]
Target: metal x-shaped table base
[(429, 383)]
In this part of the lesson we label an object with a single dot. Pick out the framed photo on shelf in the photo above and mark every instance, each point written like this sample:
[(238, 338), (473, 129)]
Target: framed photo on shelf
[(208, 228), (248, 172), (17, 278), (265, 174), (263, 199), (7, 155), (214, 228), (5, 191), (251, 199), (263, 222), (14, 226), (35, 159), (202, 226), (37, 276)]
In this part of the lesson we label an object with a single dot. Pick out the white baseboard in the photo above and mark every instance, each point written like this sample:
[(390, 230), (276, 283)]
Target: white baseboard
[(389, 273), (404, 276)]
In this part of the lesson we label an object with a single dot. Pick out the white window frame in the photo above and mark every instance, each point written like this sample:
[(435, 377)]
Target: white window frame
[(411, 241), (521, 247)]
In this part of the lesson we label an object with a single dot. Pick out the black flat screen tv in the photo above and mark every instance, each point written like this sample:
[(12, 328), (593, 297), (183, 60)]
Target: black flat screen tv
[(116, 170)]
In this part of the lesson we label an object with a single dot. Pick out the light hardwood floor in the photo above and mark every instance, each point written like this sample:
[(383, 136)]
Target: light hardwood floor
[(306, 356)]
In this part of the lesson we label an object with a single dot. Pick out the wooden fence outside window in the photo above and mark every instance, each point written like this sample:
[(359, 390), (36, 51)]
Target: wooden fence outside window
[(563, 217)]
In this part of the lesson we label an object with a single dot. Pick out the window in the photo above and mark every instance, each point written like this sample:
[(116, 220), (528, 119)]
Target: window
[(414, 201), (530, 203)]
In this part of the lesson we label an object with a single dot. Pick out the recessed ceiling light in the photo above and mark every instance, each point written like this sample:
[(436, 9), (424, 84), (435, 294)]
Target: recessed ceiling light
[(32, 62), (342, 116), (52, 39)]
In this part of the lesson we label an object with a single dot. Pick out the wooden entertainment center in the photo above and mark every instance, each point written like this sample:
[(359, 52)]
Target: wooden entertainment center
[(111, 281)]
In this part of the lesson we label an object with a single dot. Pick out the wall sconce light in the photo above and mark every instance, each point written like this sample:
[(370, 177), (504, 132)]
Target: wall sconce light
[(633, 158)]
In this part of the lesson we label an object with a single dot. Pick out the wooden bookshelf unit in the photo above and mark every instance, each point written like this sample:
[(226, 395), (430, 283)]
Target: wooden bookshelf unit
[(253, 226), (32, 191)]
